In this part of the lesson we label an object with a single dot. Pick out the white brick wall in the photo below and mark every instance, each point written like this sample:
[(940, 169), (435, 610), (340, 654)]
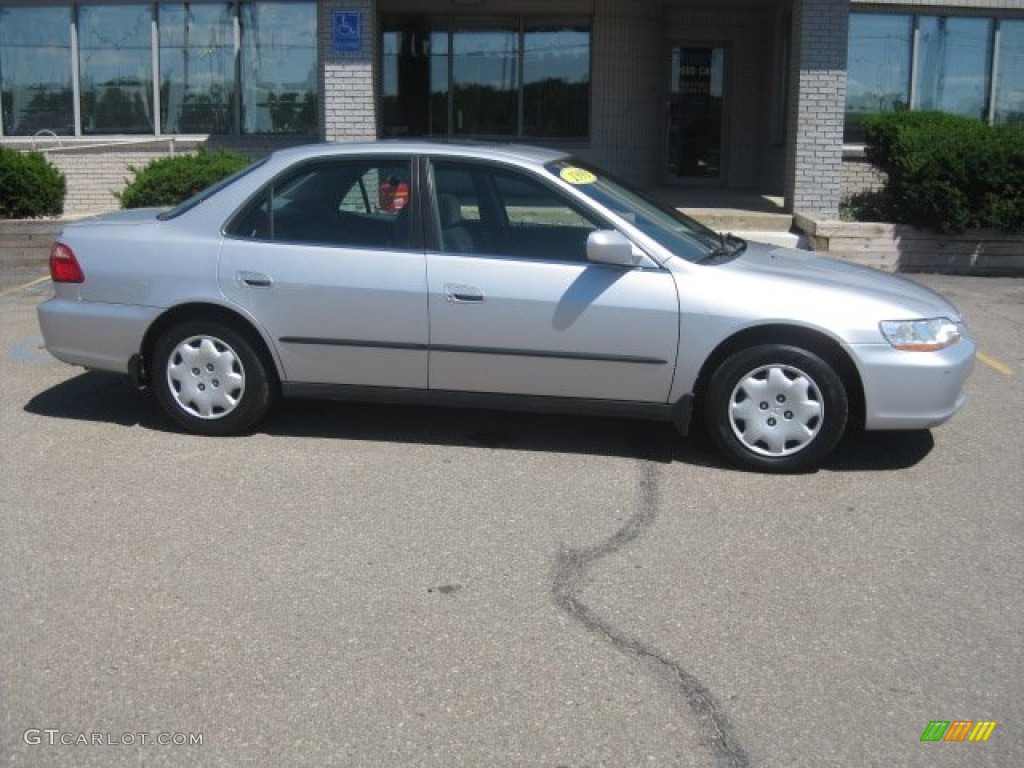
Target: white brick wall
[(817, 102), (348, 103)]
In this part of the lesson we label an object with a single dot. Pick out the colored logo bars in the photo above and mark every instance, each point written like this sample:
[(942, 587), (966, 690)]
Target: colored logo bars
[(958, 730)]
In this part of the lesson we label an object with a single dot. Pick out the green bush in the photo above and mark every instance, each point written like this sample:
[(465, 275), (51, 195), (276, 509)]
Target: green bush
[(949, 173), (29, 186), (170, 180)]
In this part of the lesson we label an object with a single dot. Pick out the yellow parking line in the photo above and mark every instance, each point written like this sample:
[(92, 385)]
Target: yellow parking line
[(994, 364), (37, 281)]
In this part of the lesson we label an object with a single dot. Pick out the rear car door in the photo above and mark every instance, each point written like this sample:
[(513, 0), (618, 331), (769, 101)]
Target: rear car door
[(329, 260), (515, 307)]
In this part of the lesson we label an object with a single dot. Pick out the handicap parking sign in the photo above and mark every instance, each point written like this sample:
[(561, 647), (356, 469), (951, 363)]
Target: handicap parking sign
[(348, 33)]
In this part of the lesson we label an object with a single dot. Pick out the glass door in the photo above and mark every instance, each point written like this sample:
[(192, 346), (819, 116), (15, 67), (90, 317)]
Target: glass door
[(696, 96)]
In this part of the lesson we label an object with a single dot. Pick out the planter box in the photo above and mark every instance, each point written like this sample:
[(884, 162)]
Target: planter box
[(27, 242), (901, 248)]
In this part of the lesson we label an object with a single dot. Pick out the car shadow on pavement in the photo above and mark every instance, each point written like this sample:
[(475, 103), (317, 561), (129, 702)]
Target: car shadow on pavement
[(108, 397)]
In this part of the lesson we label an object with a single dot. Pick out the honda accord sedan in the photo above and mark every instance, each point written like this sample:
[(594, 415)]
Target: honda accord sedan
[(494, 276)]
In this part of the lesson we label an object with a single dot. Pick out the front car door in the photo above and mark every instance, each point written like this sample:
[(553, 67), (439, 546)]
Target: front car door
[(515, 307), (328, 259)]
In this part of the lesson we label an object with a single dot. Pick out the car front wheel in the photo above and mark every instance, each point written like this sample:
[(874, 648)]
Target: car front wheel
[(776, 408), (209, 379)]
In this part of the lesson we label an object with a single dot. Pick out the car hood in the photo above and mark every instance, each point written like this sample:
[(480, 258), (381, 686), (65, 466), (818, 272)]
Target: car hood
[(786, 270)]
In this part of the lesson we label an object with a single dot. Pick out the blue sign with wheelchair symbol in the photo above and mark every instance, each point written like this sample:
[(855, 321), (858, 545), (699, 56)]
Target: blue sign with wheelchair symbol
[(348, 32)]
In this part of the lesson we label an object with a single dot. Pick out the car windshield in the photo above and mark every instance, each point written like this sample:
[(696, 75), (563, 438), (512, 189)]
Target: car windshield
[(206, 194), (678, 233)]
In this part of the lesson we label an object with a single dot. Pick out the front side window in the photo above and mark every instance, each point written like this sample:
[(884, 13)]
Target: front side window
[(878, 74), (679, 234), (350, 204), (115, 59), (953, 59), (197, 60), (35, 70), (494, 211)]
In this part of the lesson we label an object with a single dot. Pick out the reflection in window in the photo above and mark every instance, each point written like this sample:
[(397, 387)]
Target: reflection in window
[(279, 67), (485, 69), (35, 70), (116, 68), (414, 81), (878, 74), (196, 67), (953, 58), (556, 82), (485, 80), (1009, 107)]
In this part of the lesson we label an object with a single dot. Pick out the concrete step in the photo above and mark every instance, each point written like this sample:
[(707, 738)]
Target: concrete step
[(736, 221)]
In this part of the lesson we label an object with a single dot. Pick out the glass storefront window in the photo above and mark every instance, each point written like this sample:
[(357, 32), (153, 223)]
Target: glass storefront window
[(556, 82), (1009, 106), (115, 59), (414, 81), (35, 70), (953, 65), (279, 64), (485, 82), (486, 78), (878, 68), (197, 70)]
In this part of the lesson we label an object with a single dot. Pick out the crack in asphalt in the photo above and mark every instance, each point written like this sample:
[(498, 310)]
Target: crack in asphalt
[(571, 576)]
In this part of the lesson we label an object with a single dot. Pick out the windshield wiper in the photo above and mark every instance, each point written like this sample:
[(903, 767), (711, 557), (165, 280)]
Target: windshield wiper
[(729, 247)]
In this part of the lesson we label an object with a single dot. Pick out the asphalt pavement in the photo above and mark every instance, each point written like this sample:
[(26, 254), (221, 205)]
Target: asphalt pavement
[(359, 585)]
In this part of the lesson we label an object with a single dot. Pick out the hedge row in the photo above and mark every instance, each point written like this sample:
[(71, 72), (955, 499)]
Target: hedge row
[(29, 186), (170, 180), (947, 173)]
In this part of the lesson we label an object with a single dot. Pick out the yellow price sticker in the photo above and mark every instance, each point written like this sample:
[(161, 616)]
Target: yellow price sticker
[(577, 176)]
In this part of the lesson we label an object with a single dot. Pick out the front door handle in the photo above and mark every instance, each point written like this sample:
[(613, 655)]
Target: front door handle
[(254, 279), (463, 294)]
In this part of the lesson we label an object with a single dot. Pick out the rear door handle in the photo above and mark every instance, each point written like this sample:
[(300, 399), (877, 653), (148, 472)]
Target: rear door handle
[(254, 279), (463, 294)]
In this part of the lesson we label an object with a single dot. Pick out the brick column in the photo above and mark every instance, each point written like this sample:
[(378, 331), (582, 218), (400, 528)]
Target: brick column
[(347, 82), (817, 103)]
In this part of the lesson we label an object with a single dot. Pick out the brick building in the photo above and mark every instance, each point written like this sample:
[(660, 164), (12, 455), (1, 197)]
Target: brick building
[(749, 95)]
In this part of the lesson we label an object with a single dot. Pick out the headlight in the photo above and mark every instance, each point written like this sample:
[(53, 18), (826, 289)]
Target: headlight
[(921, 335)]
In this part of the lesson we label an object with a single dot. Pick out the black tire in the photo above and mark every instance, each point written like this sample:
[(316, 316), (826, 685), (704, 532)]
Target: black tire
[(776, 408), (209, 378)]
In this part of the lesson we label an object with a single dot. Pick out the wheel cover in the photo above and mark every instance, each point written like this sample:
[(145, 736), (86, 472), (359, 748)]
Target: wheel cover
[(776, 410), (205, 377)]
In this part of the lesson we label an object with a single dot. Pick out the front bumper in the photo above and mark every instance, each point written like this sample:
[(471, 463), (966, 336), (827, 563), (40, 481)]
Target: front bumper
[(92, 334), (913, 390)]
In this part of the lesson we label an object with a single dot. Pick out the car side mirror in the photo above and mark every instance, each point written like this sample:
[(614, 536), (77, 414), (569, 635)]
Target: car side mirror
[(607, 246)]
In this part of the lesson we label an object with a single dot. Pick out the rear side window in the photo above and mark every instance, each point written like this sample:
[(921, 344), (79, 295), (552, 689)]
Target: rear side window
[(344, 203)]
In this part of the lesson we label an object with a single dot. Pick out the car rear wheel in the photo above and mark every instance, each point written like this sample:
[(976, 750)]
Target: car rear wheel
[(210, 379), (776, 408)]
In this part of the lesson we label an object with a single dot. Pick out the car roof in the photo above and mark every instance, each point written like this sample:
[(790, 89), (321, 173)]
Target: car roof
[(517, 153)]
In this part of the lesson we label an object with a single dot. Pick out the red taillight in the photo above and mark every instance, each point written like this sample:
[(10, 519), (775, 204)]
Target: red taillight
[(64, 267)]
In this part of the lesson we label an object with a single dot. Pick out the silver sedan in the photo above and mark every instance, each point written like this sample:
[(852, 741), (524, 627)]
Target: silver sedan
[(491, 276)]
